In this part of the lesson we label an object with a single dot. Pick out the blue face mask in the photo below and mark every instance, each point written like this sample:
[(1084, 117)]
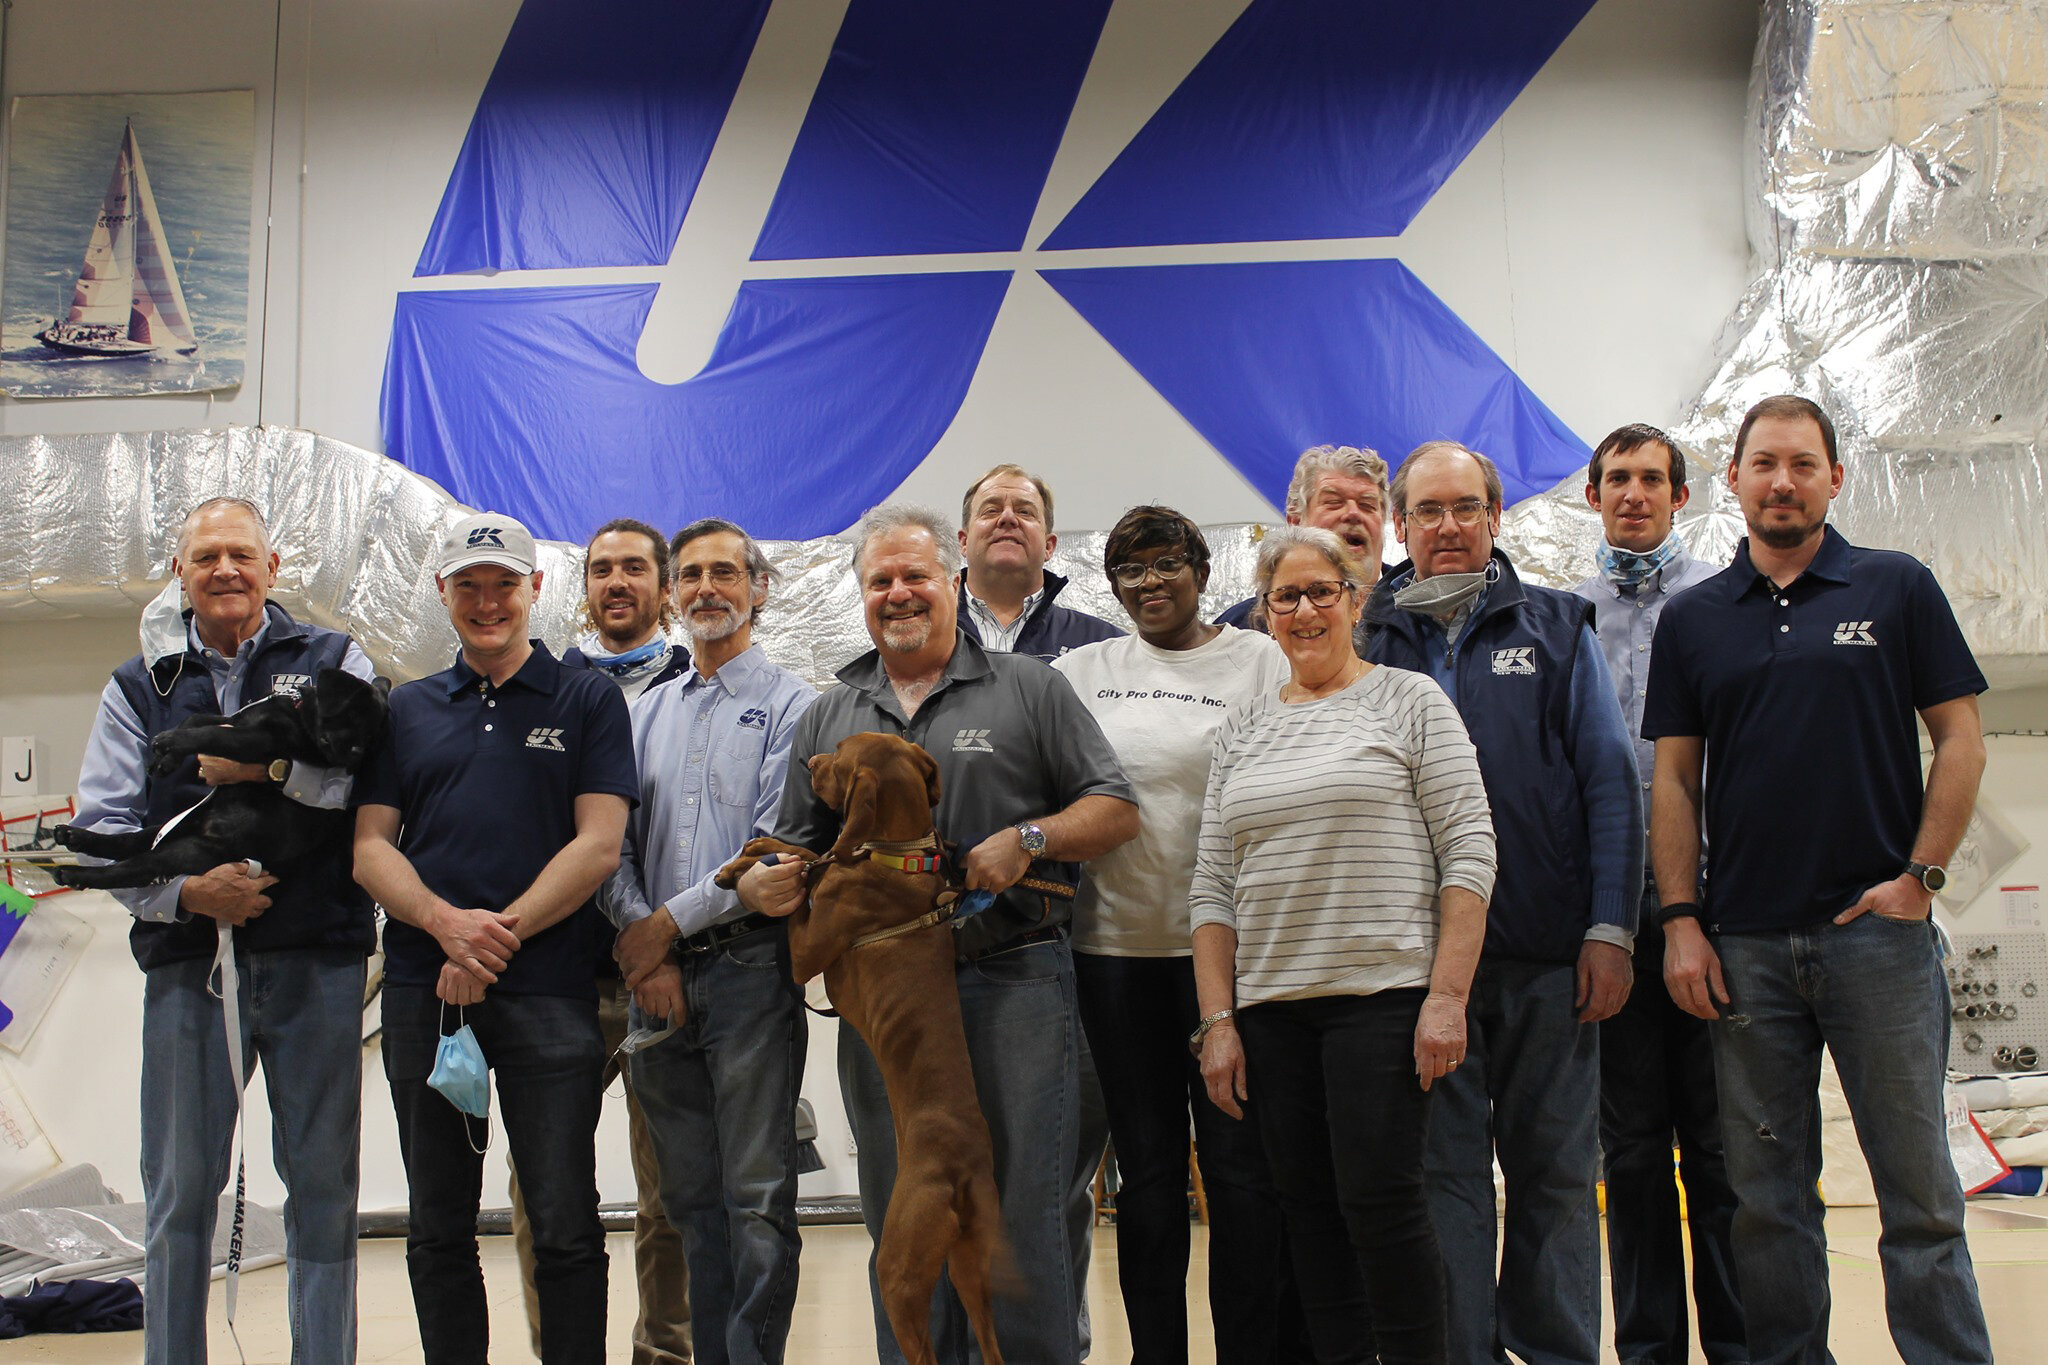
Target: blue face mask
[(461, 1074)]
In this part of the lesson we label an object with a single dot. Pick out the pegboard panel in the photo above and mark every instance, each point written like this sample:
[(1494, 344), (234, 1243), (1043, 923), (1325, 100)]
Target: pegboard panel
[(2003, 980)]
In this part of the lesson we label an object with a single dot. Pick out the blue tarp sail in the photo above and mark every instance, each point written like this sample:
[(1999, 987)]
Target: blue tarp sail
[(930, 134), (932, 128), (819, 399), (1267, 359), (591, 134)]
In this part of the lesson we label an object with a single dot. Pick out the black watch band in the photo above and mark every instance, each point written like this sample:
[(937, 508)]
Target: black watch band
[(1668, 913)]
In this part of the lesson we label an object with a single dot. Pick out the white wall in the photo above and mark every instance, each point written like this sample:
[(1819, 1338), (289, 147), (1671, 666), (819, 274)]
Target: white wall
[(1594, 239)]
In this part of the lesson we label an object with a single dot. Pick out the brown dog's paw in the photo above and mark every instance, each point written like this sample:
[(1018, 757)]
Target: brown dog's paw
[(752, 852)]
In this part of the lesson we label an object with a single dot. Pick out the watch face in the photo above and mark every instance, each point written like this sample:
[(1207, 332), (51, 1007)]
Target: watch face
[(1934, 878)]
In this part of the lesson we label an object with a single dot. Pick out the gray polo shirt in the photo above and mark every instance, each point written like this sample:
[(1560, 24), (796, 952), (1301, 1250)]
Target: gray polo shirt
[(1012, 742)]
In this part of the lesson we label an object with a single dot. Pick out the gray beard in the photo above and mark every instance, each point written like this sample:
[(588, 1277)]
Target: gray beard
[(704, 630), (908, 635)]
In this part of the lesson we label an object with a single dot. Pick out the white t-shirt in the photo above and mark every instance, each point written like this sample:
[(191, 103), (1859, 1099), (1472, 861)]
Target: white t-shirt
[(1161, 709)]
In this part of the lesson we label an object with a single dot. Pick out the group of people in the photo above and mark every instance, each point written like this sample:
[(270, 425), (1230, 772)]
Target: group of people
[(1379, 879)]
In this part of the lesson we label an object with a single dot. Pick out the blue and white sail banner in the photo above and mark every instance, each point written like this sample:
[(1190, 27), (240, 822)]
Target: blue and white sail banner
[(908, 213), (127, 266)]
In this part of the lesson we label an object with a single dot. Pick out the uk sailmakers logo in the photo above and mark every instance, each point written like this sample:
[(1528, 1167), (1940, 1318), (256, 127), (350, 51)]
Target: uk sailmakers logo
[(914, 194), (1515, 663), (546, 737), (1854, 633), (972, 742)]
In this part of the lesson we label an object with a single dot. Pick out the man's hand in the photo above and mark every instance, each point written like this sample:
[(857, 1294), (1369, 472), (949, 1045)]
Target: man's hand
[(1223, 1067), (1606, 973), (998, 862), (644, 945), (1902, 898), (776, 889), (1692, 969), (661, 993), (228, 893), (458, 987), (219, 772), (480, 942)]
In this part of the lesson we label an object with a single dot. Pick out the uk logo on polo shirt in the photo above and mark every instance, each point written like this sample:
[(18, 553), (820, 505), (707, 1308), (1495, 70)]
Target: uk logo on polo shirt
[(1854, 633), (546, 737), (972, 742), (1515, 663)]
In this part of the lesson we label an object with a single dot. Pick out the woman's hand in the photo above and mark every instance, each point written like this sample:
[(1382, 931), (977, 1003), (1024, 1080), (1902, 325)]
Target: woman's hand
[(1439, 1038), (1223, 1067)]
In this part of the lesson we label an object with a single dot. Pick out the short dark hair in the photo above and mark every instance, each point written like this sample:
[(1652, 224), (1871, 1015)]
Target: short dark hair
[(1008, 471), (636, 527), (1150, 525), (1631, 438), (1786, 407)]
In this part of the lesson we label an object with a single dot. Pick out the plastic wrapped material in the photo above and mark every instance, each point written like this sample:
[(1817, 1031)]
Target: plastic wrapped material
[(93, 531), (1899, 209)]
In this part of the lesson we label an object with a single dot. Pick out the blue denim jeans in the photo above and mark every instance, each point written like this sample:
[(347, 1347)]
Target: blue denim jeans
[(1344, 1121), (1657, 1083), (720, 1098), (1529, 1092), (1871, 992), (1023, 1042), (545, 1053), (302, 1015), (1137, 1013)]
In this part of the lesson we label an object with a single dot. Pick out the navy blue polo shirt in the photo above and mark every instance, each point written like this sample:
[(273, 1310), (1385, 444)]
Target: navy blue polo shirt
[(1806, 698), (485, 780)]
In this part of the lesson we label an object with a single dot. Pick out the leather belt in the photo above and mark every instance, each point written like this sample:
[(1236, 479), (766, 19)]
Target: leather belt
[(706, 940)]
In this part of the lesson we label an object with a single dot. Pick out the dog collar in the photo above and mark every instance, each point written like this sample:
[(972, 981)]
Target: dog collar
[(908, 862)]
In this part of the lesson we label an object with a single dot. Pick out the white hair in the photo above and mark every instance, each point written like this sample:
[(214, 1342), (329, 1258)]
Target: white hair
[(897, 516)]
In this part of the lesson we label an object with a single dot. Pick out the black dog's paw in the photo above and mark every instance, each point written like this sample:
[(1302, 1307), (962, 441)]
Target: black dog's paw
[(65, 876), (164, 757)]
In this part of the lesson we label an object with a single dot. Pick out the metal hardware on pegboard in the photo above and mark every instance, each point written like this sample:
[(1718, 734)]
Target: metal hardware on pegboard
[(1998, 1024)]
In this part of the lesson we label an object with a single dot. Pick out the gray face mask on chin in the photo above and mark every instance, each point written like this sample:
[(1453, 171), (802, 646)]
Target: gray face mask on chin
[(1443, 595)]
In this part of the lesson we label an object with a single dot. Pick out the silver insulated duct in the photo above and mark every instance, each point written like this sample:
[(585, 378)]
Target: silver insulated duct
[(1898, 209)]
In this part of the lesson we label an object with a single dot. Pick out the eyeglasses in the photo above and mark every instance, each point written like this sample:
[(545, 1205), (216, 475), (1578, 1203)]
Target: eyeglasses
[(724, 575), (1429, 516), (1283, 601), (1166, 568)]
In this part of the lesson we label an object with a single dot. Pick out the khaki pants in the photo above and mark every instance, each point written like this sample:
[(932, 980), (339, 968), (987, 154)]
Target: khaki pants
[(661, 1335)]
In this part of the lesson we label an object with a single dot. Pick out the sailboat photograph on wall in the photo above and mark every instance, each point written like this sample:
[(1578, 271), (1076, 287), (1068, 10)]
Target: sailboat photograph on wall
[(127, 250)]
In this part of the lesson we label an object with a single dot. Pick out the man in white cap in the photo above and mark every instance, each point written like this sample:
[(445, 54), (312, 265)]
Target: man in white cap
[(486, 820)]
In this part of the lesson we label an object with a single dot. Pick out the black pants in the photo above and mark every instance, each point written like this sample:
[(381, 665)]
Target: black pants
[(1344, 1120), (1657, 1080), (1138, 1012)]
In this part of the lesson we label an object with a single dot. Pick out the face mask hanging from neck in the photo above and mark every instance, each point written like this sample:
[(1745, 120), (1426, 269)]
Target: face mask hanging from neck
[(1444, 595)]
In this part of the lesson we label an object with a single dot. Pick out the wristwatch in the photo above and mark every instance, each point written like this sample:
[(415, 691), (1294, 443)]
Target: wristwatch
[(1033, 838), (279, 770), (1209, 1021), (1932, 877)]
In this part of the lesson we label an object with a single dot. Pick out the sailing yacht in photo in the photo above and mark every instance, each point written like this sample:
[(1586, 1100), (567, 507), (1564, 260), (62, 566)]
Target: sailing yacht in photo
[(127, 301)]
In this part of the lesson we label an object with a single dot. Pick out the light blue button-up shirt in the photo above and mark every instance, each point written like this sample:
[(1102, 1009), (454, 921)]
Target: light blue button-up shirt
[(1626, 622), (112, 783), (712, 754)]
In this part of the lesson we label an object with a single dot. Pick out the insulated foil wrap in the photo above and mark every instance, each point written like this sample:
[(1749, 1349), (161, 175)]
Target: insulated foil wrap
[(1898, 209)]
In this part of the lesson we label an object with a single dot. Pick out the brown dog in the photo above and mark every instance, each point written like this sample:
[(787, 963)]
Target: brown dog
[(897, 988)]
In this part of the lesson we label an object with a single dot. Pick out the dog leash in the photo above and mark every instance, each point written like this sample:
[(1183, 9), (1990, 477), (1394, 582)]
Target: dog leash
[(230, 995)]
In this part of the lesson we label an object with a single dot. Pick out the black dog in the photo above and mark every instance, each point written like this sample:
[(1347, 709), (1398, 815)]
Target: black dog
[(334, 727)]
